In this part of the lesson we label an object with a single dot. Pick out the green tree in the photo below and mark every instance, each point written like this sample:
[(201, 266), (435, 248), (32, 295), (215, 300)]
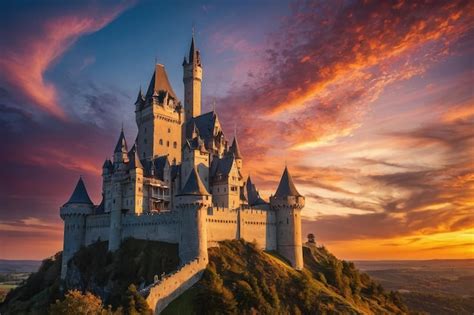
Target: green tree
[(77, 303), (134, 303)]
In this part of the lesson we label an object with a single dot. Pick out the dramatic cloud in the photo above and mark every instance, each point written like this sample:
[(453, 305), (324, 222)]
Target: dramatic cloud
[(330, 61), (28, 54)]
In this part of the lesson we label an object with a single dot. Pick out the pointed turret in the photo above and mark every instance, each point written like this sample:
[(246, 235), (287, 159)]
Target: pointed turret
[(121, 151), (194, 186), (135, 159), (79, 195), (160, 83), (288, 203), (234, 148), (121, 145), (286, 187), (140, 97), (192, 78), (107, 167), (192, 51)]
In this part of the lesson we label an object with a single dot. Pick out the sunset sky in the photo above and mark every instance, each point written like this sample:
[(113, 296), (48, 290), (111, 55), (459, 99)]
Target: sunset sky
[(370, 104)]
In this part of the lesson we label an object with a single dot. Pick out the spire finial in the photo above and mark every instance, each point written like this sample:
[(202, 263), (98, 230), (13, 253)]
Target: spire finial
[(235, 130), (122, 126), (213, 104)]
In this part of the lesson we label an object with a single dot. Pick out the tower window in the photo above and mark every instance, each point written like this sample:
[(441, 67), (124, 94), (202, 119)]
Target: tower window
[(175, 144), (161, 141), (144, 130), (169, 130), (167, 143)]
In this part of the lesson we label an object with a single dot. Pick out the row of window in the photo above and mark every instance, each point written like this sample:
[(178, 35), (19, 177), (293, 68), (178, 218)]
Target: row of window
[(175, 144), (169, 130), (221, 221)]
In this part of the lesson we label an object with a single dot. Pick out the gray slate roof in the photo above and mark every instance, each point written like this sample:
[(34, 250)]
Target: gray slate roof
[(234, 148), (160, 82), (79, 194), (134, 159), (286, 187), (157, 164), (194, 186), (221, 166), (253, 196), (121, 143), (205, 123)]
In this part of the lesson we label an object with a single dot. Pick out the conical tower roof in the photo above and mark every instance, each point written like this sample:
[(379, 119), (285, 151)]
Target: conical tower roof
[(194, 186), (160, 82), (140, 97), (135, 159), (286, 187), (121, 144), (234, 148), (192, 51), (80, 194)]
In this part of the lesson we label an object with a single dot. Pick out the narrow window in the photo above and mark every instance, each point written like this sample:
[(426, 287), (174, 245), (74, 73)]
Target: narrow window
[(175, 144)]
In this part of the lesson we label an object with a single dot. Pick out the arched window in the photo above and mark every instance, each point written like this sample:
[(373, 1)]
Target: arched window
[(167, 143), (175, 144), (161, 141)]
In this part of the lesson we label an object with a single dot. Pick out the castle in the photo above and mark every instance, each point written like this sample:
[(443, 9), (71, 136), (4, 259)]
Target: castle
[(181, 182)]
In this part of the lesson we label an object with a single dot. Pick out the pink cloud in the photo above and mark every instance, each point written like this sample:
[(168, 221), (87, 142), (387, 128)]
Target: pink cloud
[(24, 63)]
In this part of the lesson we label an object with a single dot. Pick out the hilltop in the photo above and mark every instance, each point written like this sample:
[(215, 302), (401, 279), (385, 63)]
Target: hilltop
[(239, 277)]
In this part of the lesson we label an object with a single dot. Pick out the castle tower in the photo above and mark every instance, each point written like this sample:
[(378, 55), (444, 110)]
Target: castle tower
[(74, 214), (107, 171), (234, 149), (121, 151), (136, 177), (193, 202), (287, 203), (192, 78), (158, 115), (195, 156)]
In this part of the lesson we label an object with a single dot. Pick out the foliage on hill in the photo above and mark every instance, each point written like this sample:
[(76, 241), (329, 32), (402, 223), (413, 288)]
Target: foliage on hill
[(239, 279), (93, 269), (39, 290), (243, 279)]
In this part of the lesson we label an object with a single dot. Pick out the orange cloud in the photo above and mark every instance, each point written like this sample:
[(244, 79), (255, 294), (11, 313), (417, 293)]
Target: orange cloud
[(24, 64)]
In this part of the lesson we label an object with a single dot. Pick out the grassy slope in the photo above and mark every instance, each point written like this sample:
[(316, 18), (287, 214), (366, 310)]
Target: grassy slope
[(103, 273), (242, 279)]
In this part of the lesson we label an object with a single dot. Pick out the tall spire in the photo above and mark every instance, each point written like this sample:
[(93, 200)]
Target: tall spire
[(234, 148), (286, 187), (192, 50), (121, 146), (140, 97), (134, 158)]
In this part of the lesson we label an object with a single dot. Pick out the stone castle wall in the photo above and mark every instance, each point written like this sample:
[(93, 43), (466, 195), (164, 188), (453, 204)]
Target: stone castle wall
[(252, 225), (156, 227), (259, 226), (171, 286), (162, 227), (97, 228)]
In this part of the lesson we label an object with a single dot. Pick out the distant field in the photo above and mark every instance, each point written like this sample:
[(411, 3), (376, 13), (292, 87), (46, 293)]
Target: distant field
[(431, 286), (7, 266), (14, 272)]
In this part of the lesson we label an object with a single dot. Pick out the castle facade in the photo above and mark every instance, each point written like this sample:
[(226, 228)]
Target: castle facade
[(181, 182)]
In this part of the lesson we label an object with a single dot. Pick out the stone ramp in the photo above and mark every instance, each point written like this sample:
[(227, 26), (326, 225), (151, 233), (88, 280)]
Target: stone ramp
[(162, 293)]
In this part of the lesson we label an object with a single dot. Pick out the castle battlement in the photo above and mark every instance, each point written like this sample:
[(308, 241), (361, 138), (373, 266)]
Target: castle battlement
[(181, 182)]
